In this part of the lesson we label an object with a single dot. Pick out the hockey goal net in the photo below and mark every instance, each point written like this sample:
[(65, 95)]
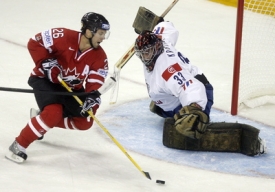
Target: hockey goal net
[(254, 62)]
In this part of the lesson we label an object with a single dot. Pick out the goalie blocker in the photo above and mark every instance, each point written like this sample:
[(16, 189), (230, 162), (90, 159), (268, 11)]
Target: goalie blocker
[(218, 137)]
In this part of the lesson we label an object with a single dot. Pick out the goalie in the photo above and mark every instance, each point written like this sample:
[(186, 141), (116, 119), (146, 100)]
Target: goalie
[(181, 93)]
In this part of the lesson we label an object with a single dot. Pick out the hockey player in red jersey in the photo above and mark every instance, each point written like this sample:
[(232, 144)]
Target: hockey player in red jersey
[(79, 60)]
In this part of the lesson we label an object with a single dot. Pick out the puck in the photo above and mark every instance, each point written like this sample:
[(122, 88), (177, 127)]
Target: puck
[(160, 181)]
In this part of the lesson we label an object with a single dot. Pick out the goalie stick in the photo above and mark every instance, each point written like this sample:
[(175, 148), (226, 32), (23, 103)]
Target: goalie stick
[(116, 75), (125, 58)]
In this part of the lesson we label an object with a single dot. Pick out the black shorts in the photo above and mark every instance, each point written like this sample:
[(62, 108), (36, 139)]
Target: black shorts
[(71, 107)]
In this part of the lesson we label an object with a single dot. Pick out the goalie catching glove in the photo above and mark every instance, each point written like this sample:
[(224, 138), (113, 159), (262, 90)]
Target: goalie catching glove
[(92, 102), (52, 69), (191, 121), (145, 20)]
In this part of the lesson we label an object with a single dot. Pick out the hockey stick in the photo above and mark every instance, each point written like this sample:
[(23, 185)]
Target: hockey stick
[(146, 174), (10, 89), (118, 66), (125, 58), (103, 89)]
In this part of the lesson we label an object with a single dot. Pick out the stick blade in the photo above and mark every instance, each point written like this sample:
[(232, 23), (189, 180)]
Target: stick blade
[(147, 175), (115, 88), (107, 85)]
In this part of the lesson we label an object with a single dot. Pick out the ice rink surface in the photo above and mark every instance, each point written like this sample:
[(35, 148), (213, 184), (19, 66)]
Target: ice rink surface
[(75, 161), (145, 137)]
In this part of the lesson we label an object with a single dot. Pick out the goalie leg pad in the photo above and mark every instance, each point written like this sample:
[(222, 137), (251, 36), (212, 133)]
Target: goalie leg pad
[(226, 139), (145, 20), (171, 138), (250, 142), (223, 137), (218, 137)]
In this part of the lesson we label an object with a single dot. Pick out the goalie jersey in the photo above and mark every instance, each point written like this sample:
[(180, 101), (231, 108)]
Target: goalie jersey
[(172, 81)]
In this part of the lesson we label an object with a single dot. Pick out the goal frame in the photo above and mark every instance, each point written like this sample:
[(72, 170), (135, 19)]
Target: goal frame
[(237, 58)]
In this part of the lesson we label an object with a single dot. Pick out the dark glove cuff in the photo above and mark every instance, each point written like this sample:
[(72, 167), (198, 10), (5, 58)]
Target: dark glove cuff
[(161, 19), (196, 105), (202, 79), (94, 93)]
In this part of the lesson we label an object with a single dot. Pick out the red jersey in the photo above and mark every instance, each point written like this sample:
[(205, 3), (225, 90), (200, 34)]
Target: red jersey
[(89, 67)]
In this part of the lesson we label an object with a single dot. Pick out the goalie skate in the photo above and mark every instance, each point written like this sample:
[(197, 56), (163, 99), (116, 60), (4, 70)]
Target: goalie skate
[(16, 153), (262, 146)]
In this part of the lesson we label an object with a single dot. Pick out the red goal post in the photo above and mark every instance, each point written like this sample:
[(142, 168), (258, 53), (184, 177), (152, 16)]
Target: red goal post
[(254, 60)]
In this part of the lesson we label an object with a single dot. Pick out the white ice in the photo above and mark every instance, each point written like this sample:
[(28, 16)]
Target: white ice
[(75, 161)]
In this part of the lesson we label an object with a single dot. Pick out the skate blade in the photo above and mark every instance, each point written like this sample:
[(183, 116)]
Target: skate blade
[(15, 158)]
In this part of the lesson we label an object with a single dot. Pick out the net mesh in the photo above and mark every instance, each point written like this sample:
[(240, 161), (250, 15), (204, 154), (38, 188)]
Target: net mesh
[(257, 69)]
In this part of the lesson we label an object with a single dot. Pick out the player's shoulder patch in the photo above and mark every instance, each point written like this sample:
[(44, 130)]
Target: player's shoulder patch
[(47, 38), (172, 69)]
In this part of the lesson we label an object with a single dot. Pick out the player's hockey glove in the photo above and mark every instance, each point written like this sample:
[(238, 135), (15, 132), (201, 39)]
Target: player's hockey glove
[(52, 69), (92, 102), (191, 121)]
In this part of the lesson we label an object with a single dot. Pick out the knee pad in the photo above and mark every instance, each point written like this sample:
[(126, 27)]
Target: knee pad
[(155, 109), (82, 123), (52, 114)]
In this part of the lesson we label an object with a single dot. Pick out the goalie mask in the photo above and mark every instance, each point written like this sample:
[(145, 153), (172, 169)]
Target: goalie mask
[(93, 22), (148, 47)]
